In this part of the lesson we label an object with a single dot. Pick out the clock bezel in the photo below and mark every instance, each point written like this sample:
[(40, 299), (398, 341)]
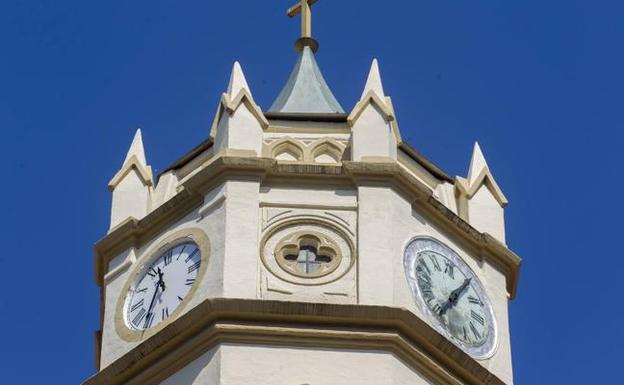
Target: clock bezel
[(481, 352), (148, 257)]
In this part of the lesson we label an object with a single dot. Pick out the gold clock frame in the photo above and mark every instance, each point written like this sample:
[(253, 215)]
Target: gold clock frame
[(198, 237)]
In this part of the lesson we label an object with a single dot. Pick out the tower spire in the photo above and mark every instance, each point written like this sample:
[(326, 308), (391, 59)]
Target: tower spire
[(305, 9)]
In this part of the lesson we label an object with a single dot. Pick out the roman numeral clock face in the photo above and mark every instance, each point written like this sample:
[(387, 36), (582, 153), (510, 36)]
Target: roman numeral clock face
[(451, 296), (162, 286)]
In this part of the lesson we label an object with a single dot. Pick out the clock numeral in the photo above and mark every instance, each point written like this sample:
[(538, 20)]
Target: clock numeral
[(437, 308), (139, 317), (165, 313), (465, 335), (148, 320), (477, 317), (194, 267), (428, 294), (190, 256), (434, 260), (424, 284), (474, 331), (180, 299), (423, 265), (144, 290), (181, 252), (168, 257), (474, 300), (190, 281), (450, 270), (136, 306), (152, 273)]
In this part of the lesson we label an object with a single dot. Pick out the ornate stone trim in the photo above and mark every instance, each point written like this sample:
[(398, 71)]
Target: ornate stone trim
[(333, 242), (279, 323)]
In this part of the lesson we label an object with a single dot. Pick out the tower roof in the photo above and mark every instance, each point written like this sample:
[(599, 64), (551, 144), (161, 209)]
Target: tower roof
[(306, 90)]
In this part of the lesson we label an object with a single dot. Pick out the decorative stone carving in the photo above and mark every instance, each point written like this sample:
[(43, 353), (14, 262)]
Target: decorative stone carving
[(306, 251)]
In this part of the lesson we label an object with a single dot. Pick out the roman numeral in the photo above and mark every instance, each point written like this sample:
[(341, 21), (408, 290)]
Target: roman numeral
[(152, 273), (136, 306), (168, 257), (180, 298), (474, 300), (191, 255), (425, 285), (194, 267), (477, 317), (190, 281), (450, 270), (437, 308), (137, 318), (436, 264), (142, 290), (165, 313), (424, 266), (474, 331), (181, 251)]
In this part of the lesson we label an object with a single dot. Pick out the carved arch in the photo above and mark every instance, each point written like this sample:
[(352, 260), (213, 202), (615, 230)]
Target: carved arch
[(288, 150), (327, 151)]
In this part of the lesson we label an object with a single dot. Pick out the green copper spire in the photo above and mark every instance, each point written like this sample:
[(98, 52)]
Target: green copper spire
[(306, 90)]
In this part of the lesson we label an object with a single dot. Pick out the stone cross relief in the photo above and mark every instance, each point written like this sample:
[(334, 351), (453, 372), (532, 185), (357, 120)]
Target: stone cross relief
[(308, 260)]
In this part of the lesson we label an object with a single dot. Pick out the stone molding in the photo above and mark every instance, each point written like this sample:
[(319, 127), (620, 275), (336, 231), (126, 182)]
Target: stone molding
[(277, 323), (132, 163), (230, 104), (134, 232)]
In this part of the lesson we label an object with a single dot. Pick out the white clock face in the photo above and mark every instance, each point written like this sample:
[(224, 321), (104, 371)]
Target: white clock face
[(162, 286), (451, 296)]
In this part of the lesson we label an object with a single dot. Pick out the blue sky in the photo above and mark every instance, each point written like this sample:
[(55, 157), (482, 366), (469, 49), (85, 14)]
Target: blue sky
[(538, 83)]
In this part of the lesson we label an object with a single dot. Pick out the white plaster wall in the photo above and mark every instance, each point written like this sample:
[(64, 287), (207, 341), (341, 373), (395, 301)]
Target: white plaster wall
[(486, 214), (131, 198), (373, 136), (240, 131), (241, 239), (309, 194), (263, 365), (203, 371)]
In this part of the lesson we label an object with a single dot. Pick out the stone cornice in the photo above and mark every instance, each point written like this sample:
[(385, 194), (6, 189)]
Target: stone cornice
[(134, 233), (276, 323)]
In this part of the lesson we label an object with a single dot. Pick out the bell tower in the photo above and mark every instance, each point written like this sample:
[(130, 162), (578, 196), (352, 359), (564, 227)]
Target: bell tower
[(305, 244)]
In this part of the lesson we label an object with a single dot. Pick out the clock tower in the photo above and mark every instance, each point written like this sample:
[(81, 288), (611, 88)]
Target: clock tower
[(304, 244)]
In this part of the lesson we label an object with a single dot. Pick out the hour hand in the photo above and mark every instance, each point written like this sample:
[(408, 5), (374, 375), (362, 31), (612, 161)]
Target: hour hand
[(161, 281)]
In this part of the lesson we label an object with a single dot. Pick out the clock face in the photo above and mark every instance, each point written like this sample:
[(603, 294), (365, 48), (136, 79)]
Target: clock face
[(162, 286), (451, 296)]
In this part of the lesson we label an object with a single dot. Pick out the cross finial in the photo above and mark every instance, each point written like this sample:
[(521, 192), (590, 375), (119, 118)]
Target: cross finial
[(304, 8)]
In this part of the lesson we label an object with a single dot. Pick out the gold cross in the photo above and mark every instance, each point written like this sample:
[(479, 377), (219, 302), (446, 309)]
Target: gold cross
[(303, 8)]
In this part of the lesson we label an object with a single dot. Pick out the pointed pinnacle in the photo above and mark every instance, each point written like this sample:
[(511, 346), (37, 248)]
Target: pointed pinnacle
[(237, 81), (373, 83), (477, 163), (136, 149)]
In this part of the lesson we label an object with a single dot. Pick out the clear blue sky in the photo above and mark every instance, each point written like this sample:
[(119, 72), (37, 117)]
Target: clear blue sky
[(538, 83)]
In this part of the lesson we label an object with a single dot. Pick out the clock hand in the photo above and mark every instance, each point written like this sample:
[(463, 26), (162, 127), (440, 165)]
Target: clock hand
[(161, 281), (454, 297), (159, 284)]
